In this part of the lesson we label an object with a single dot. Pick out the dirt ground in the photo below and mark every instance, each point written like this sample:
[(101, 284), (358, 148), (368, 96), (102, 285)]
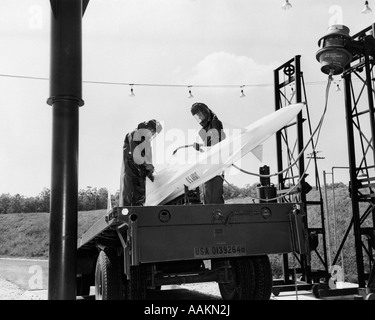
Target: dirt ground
[(10, 291), (210, 291)]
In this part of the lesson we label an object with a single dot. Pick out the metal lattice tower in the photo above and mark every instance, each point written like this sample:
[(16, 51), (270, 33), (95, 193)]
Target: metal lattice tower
[(289, 88), (360, 123)]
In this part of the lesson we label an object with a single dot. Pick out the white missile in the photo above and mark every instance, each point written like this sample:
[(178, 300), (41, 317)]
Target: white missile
[(197, 168)]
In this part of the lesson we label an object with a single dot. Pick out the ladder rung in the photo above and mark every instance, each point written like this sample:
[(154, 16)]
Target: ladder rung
[(367, 185), (314, 202)]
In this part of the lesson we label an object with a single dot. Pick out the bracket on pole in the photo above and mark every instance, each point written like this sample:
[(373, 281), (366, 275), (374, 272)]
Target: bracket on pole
[(84, 6), (54, 6)]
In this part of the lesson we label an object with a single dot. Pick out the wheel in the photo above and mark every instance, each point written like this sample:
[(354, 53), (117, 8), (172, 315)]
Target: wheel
[(263, 278), (316, 287), (136, 286), (370, 296), (242, 285), (108, 277)]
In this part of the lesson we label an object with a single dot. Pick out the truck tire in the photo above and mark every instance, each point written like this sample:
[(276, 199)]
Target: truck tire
[(108, 282), (242, 284), (136, 287), (263, 278)]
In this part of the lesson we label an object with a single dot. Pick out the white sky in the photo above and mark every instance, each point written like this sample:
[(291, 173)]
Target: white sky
[(174, 42)]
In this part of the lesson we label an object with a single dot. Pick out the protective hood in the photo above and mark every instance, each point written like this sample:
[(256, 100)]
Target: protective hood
[(202, 113), (152, 125)]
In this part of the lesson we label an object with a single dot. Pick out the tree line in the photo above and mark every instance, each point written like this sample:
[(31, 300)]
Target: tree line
[(97, 198), (90, 199)]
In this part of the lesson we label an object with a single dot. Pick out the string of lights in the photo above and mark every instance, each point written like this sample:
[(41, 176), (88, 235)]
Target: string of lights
[(189, 86), (287, 5), (148, 84)]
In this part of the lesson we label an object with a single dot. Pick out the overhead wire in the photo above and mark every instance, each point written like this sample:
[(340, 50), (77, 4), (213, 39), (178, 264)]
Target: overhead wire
[(316, 132), (156, 84)]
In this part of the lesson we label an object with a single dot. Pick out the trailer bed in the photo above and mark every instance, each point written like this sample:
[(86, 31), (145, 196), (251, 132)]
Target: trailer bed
[(168, 233)]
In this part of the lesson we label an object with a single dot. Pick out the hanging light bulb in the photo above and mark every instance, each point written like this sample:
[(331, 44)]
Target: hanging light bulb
[(366, 9), (286, 5), (338, 88), (291, 92), (131, 91), (190, 94), (242, 93)]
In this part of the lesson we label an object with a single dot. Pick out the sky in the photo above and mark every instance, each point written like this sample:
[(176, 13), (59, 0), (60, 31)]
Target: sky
[(164, 48)]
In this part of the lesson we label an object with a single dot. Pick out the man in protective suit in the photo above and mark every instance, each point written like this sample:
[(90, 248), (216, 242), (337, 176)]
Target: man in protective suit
[(137, 163), (211, 134)]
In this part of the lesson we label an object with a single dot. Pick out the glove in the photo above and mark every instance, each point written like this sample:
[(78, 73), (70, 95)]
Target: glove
[(150, 176), (196, 146), (149, 171), (149, 168)]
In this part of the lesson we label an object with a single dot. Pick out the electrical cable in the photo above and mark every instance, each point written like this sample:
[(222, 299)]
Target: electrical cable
[(316, 131), (156, 84)]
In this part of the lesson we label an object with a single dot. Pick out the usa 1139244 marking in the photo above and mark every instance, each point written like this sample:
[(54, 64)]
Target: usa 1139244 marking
[(220, 250)]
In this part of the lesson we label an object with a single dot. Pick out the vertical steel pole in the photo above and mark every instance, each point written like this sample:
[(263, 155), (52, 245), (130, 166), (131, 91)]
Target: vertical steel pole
[(328, 240), (353, 180), (280, 163), (305, 259), (65, 99), (301, 161), (370, 97), (335, 216)]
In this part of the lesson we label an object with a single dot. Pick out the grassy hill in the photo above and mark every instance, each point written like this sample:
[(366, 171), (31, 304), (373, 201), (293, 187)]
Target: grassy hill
[(27, 234)]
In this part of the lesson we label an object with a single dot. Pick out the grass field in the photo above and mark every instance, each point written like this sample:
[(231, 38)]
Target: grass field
[(27, 234)]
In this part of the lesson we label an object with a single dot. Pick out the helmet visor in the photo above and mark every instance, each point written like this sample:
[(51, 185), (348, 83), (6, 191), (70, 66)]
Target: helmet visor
[(200, 117)]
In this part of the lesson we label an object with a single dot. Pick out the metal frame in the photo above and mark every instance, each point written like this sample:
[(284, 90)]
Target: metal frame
[(290, 74), (360, 125)]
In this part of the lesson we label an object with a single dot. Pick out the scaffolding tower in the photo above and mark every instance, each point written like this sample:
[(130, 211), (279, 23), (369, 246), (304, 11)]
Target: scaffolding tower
[(289, 88), (360, 123)]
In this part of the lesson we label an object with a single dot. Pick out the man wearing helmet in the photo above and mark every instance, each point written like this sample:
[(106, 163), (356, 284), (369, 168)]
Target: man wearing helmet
[(137, 163), (211, 133)]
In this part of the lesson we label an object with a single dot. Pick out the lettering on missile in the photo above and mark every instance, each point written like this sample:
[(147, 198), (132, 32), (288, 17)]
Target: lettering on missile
[(192, 177)]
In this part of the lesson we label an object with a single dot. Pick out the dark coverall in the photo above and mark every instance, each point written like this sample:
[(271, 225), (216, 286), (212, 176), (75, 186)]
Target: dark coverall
[(211, 134), (136, 166)]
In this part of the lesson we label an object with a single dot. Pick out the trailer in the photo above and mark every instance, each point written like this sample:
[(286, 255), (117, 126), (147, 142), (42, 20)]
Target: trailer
[(132, 250)]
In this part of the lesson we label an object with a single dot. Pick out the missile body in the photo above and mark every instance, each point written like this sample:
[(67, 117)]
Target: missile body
[(197, 168)]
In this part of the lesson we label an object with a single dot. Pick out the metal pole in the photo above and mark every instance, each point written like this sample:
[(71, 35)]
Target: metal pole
[(328, 226), (353, 181), (305, 260), (334, 211), (65, 99), (370, 93), (335, 217), (280, 164)]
